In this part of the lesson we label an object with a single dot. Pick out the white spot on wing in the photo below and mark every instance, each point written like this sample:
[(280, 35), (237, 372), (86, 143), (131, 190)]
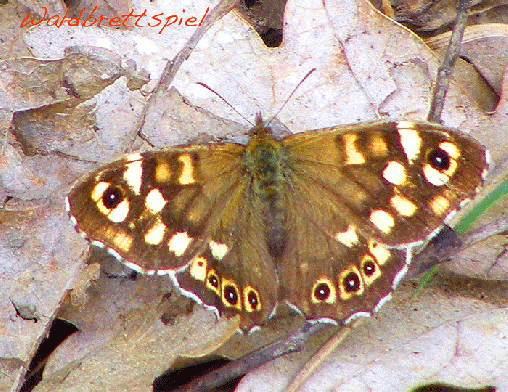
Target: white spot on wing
[(382, 220), (353, 156), (187, 175), (155, 234), (135, 156), (403, 205), (117, 214), (162, 172), (218, 250), (395, 173), (197, 268), (451, 149), (439, 205), (133, 176), (98, 190), (179, 242), (410, 140), (380, 252), (434, 176), (155, 201), (348, 237)]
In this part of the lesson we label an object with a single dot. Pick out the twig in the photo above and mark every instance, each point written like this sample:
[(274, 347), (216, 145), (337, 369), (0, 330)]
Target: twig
[(445, 70), (238, 368), (174, 65)]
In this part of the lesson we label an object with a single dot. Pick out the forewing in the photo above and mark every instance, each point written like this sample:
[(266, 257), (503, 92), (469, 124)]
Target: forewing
[(156, 210), (395, 182)]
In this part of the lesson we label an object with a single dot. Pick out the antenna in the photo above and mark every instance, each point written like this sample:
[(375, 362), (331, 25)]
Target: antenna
[(291, 95), (278, 111), (224, 100)]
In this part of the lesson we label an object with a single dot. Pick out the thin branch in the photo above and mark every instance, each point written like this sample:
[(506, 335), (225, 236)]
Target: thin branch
[(445, 70), (172, 66), (238, 368)]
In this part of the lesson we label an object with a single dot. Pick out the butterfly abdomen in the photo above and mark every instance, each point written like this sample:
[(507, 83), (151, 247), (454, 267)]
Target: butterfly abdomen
[(265, 162)]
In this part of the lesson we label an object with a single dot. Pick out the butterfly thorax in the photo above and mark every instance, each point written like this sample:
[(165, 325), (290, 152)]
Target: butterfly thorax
[(266, 165)]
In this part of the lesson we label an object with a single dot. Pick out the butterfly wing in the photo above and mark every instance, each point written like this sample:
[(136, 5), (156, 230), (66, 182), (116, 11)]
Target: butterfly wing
[(396, 181), (157, 209), (235, 273), (358, 199), (186, 209)]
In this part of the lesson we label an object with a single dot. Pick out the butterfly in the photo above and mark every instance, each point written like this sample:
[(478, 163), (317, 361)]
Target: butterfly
[(323, 220)]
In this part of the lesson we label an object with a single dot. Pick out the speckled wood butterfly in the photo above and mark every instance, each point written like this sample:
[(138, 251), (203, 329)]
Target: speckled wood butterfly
[(323, 220)]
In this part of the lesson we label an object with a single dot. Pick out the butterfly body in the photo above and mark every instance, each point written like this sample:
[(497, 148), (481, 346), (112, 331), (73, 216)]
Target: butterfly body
[(323, 220)]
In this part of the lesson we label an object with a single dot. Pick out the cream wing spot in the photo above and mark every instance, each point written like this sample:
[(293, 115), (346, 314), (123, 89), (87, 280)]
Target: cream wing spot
[(99, 189), (434, 176), (353, 156), (121, 240), (382, 220), (162, 172), (179, 242), (154, 201), (395, 173), (133, 176), (439, 205), (135, 156), (186, 176), (198, 268), (403, 205), (218, 249), (119, 213), (410, 140), (155, 234), (378, 146), (381, 253), (348, 237), (442, 164), (451, 149)]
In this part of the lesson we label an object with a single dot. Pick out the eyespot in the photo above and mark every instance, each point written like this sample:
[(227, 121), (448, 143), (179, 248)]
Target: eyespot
[(439, 159), (230, 295), (112, 197), (110, 201), (251, 299), (351, 282), (213, 282), (369, 268), (323, 291)]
